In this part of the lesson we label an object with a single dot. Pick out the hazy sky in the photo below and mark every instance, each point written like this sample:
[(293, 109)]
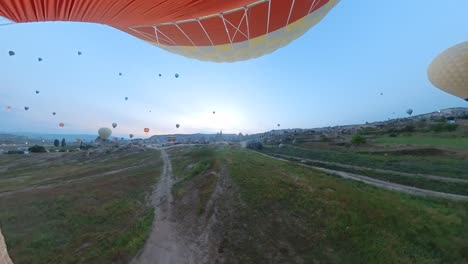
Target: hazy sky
[(332, 75)]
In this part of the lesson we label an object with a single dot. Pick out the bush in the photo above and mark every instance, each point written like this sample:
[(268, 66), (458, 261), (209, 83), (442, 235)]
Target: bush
[(56, 143), (441, 127), (15, 152), (358, 140), (254, 144), (37, 149)]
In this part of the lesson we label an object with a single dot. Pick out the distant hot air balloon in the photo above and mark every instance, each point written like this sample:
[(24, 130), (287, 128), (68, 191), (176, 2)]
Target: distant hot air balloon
[(130, 136), (214, 112), (278, 125), (114, 125), (8, 108), (53, 113), (177, 75), (104, 133), (409, 111), (37, 92), (212, 30), (61, 125), (177, 125), (120, 74), (39, 59), (146, 130), (126, 98), (160, 75), (79, 53), (11, 53), (26, 108), (381, 93), (449, 70)]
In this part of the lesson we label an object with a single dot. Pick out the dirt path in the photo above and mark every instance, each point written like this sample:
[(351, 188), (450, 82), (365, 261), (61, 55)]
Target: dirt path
[(380, 183), (164, 245), (398, 173)]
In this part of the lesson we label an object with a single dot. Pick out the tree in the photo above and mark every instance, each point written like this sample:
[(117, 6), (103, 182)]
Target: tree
[(56, 143), (63, 143)]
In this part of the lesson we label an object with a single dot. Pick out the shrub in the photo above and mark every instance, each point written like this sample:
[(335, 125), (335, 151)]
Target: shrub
[(358, 139), (37, 149), (254, 144)]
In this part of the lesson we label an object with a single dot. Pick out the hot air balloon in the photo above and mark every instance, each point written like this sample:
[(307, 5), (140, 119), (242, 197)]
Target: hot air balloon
[(160, 75), (177, 125), (8, 108), (104, 133), (120, 74), (26, 108), (449, 70), (130, 136), (409, 111), (79, 53), (37, 92), (126, 98), (214, 112), (146, 130), (39, 59), (11, 53), (114, 125), (176, 75), (278, 125), (53, 113), (221, 31), (61, 125)]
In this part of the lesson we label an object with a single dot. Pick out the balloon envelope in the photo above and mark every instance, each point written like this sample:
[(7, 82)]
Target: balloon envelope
[(53, 113), (146, 130), (11, 53), (131, 135), (177, 125), (409, 111), (114, 125), (104, 132), (61, 125), (213, 30), (26, 108), (449, 70)]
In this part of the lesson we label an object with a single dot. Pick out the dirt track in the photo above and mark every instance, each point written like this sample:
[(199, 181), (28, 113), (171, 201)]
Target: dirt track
[(165, 245), (382, 184)]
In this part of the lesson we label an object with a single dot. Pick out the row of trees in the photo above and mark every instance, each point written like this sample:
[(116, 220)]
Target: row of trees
[(57, 143)]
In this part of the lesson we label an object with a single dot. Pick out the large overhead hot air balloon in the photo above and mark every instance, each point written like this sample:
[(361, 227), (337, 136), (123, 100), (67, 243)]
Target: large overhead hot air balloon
[(449, 70), (409, 111), (104, 132), (114, 125), (212, 30), (146, 130)]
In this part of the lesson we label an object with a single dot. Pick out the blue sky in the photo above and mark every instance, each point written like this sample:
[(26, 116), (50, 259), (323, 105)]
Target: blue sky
[(333, 75)]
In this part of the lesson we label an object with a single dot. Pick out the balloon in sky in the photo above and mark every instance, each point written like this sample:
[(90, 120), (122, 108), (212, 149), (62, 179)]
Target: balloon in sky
[(79, 53), (177, 125), (126, 98), (61, 125), (11, 53), (278, 125), (104, 132), (37, 92), (214, 112), (53, 113), (8, 108), (160, 75), (409, 111), (212, 30), (26, 108), (114, 125), (130, 136), (449, 70), (120, 74), (39, 59), (176, 75), (146, 130)]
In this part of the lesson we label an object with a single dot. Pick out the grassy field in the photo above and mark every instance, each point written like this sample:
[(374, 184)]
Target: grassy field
[(455, 142), (97, 219), (310, 216), (449, 166)]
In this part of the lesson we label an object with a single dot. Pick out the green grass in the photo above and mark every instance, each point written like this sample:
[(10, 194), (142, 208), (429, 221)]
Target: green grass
[(292, 214), (100, 220), (455, 142), (449, 166)]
